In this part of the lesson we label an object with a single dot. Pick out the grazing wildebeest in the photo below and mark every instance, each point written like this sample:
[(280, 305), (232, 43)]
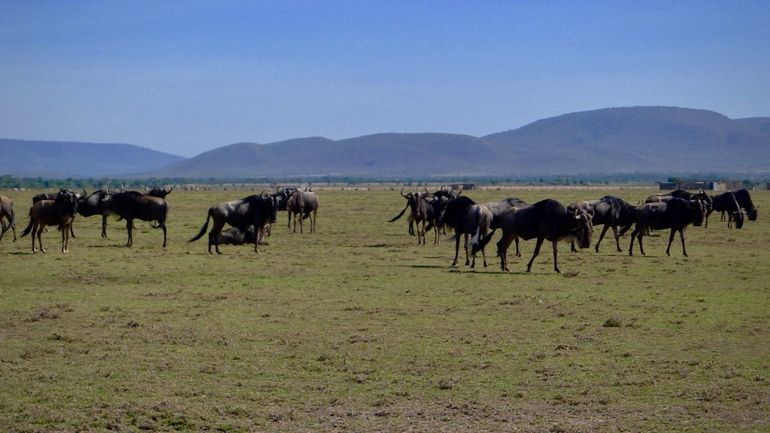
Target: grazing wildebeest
[(546, 219), (131, 205), (675, 214), (6, 213), (57, 212), (252, 211), (727, 202), (610, 211), (303, 204), (744, 200), (93, 204)]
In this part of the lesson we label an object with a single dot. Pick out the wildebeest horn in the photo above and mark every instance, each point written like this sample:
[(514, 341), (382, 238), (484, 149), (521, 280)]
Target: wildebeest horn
[(402, 193)]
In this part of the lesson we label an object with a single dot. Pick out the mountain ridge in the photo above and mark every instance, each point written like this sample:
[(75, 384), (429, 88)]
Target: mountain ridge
[(614, 140)]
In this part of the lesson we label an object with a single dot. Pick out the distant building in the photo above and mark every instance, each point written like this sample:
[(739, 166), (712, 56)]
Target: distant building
[(694, 185)]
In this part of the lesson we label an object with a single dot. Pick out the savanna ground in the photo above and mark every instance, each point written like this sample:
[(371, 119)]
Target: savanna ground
[(357, 328)]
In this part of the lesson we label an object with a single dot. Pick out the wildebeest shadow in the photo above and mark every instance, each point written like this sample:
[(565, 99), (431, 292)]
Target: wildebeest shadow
[(422, 266)]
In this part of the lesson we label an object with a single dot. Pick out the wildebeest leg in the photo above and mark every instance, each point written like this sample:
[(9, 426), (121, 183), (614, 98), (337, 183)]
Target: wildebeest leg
[(631, 244), (457, 249), (465, 245), (572, 248), (518, 253), (706, 222), (535, 253), (502, 251), (65, 231), (312, 222), (601, 236), (40, 230), (681, 235), (301, 217), (129, 229), (34, 233), (163, 226), (104, 226), (641, 246), (555, 255), (289, 219), (216, 228), (670, 239), (617, 238)]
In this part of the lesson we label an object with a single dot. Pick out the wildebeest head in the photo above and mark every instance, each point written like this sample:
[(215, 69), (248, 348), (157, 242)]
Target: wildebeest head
[(697, 211), (454, 210), (582, 227), (160, 192), (67, 201)]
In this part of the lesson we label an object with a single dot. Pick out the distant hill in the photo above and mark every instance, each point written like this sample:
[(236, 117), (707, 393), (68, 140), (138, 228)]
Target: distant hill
[(629, 140), (613, 140), (58, 159)]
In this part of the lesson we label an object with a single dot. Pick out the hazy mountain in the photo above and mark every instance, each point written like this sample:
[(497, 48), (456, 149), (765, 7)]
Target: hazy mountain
[(606, 141), (639, 139), (58, 159), (612, 140), (379, 154)]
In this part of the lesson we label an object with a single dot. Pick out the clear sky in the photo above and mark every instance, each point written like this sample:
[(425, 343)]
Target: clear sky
[(189, 76)]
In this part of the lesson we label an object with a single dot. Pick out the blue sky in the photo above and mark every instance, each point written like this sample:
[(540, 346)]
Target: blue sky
[(188, 76)]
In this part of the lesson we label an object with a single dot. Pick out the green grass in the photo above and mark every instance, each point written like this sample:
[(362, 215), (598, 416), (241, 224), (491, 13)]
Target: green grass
[(357, 328)]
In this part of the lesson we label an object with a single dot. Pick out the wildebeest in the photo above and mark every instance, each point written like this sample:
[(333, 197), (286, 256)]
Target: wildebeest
[(57, 212), (282, 197), (609, 211), (252, 211), (411, 204), (429, 211), (6, 213), (236, 236), (159, 192), (303, 204), (545, 220), (744, 200), (131, 205), (727, 202), (93, 204), (685, 195), (467, 218), (675, 214)]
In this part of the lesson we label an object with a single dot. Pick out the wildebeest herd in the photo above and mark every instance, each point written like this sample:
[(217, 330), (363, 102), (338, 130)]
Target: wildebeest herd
[(250, 218), (550, 220)]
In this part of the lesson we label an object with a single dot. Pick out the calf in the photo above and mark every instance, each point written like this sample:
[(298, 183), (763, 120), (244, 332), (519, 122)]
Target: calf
[(57, 212)]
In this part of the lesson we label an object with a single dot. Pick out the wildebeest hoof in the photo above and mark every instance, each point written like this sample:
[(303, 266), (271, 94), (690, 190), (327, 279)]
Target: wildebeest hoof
[(558, 271)]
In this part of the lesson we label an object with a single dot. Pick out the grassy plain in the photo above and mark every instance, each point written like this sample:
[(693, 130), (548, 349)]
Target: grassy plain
[(357, 328)]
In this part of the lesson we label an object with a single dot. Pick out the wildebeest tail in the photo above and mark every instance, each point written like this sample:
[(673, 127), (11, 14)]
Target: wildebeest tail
[(482, 243), (399, 215), (29, 227), (204, 228)]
